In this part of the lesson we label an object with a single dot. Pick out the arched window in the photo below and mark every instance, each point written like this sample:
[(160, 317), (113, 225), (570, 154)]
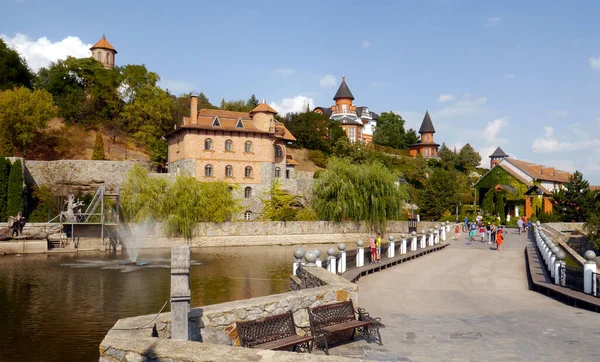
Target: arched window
[(248, 147), (248, 215), (248, 172), (107, 58), (278, 151), (248, 192), (277, 172), (229, 145), (208, 170), (99, 56), (228, 171), (208, 144)]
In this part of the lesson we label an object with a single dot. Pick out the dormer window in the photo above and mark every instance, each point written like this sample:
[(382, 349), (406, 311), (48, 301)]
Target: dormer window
[(216, 122), (239, 123)]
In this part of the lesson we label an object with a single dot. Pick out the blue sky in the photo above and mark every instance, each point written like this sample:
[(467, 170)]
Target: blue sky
[(521, 75)]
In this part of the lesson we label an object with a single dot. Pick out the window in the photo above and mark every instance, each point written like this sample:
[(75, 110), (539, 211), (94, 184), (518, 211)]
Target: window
[(278, 151), (208, 144), (107, 58), (248, 147), (229, 145), (100, 56), (344, 107), (248, 172), (360, 134), (228, 171), (208, 170), (427, 152), (277, 172), (239, 123), (352, 134), (248, 192), (248, 215), (216, 122), (287, 173)]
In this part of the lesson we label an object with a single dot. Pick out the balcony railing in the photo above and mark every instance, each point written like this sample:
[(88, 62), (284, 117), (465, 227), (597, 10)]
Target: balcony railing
[(347, 111)]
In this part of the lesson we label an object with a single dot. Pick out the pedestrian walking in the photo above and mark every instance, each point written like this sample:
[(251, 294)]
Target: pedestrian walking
[(520, 225), (482, 232), (466, 225), (378, 246), (499, 239), (488, 232), (373, 249), (493, 231), (456, 232)]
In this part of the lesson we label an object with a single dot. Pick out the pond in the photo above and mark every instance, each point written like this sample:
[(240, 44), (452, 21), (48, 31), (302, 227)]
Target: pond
[(59, 307)]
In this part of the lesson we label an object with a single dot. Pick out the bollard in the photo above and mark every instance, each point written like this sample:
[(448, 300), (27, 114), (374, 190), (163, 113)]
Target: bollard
[(331, 258), (413, 244), (423, 239), (311, 258), (551, 264), (298, 255), (436, 234), (403, 245), (431, 237), (318, 261), (360, 254), (447, 226), (561, 268), (589, 271), (392, 245), (180, 292), (342, 260), (443, 232), (557, 266)]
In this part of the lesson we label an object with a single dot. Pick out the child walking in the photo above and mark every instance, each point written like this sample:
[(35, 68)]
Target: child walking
[(456, 232), (499, 239), (373, 249)]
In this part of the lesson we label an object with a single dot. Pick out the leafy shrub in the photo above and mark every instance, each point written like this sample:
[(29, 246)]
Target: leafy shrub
[(15, 189), (98, 153), (318, 158)]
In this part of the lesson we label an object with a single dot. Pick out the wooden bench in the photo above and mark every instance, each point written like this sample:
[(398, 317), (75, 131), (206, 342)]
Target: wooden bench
[(277, 332), (332, 318)]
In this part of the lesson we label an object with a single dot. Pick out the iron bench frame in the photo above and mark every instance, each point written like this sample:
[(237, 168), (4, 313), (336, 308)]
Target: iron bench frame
[(338, 317), (275, 332)]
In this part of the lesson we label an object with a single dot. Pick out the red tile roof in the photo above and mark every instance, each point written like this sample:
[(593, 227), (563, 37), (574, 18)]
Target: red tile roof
[(103, 44)]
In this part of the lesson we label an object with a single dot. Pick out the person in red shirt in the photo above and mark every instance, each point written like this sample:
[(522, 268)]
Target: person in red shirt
[(499, 239)]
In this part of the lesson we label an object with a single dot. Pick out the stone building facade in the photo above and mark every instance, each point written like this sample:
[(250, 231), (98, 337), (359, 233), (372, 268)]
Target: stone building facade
[(104, 52), (245, 149), (426, 147), (358, 122)]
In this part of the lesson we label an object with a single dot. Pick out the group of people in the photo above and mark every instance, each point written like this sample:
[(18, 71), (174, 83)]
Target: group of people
[(375, 245), (523, 224), (489, 233)]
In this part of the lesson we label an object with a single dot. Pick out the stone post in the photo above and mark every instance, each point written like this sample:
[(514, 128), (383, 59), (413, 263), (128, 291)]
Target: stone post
[(561, 269), (403, 245), (551, 264), (443, 232), (447, 226), (413, 244), (430, 237), (436, 234), (423, 239), (298, 255), (589, 273), (557, 266), (311, 258), (331, 253), (180, 292), (342, 260), (360, 254), (318, 261), (392, 245)]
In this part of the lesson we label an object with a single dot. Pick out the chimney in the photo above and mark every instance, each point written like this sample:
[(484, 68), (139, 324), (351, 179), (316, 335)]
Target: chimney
[(194, 108)]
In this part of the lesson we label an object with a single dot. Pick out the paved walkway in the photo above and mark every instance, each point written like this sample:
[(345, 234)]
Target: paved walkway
[(471, 303)]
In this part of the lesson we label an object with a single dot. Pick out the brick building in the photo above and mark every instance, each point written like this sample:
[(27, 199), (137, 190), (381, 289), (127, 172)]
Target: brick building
[(247, 149), (104, 52), (426, 147), (358, 122)]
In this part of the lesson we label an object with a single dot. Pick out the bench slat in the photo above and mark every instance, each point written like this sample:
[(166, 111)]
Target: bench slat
[(345, 326), (284, 342)]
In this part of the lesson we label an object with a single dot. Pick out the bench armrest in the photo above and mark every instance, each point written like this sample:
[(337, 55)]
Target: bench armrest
[(363, 315), (306, 329)]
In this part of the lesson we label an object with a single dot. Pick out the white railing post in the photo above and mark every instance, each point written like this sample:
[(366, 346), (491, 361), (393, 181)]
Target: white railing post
[(430, 237), (436, 234), (552, 261), (342, 260), (443, 232), (589, 270), (413, 244), (391, 247), (423, 239), (360, 254), (331, 259), (319, 262), (180, 292), (559, 256), (298, 255), (403, 246)]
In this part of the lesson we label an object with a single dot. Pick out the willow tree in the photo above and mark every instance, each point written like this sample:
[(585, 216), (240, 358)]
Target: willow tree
[(358, 192), (142, 196)]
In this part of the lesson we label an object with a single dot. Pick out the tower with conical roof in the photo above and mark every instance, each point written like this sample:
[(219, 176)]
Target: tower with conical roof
[(426, 146), (497, 156), (104, 52)]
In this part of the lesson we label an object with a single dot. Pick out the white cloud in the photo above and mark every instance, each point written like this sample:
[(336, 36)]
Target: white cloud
[(379, 84), (494, 21), (328, 81), (285, 72), (493, 129), (551, 144), (594, 63), (366, 44), (39, 53), (509, 76), (549, 131), (558, 113), (295, 104), (466, 106), (443, 98), (176, 87)]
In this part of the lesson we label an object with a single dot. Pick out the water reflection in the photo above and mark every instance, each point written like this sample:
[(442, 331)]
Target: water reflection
[(55, 309)]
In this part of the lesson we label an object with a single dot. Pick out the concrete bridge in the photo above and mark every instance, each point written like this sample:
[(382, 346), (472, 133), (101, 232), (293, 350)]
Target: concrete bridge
[(471, 303)]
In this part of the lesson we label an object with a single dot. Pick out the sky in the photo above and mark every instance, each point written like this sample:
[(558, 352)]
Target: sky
[(522, 75)]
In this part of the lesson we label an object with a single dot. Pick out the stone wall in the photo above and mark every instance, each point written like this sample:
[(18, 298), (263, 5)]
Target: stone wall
[(216, 324)]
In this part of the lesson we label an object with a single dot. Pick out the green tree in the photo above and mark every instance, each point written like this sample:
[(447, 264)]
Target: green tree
[(98, 153), (487, 205), (14, 71), (390, 131), (367, 192), (500, 204), (467, 159), (142, 196), (24, 116), (574, 200), (15, 201), (411, 137), (252, 102), (313, 130), (280, 205), (4, 175), (238, 105), (447, 157), (439, 196)]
